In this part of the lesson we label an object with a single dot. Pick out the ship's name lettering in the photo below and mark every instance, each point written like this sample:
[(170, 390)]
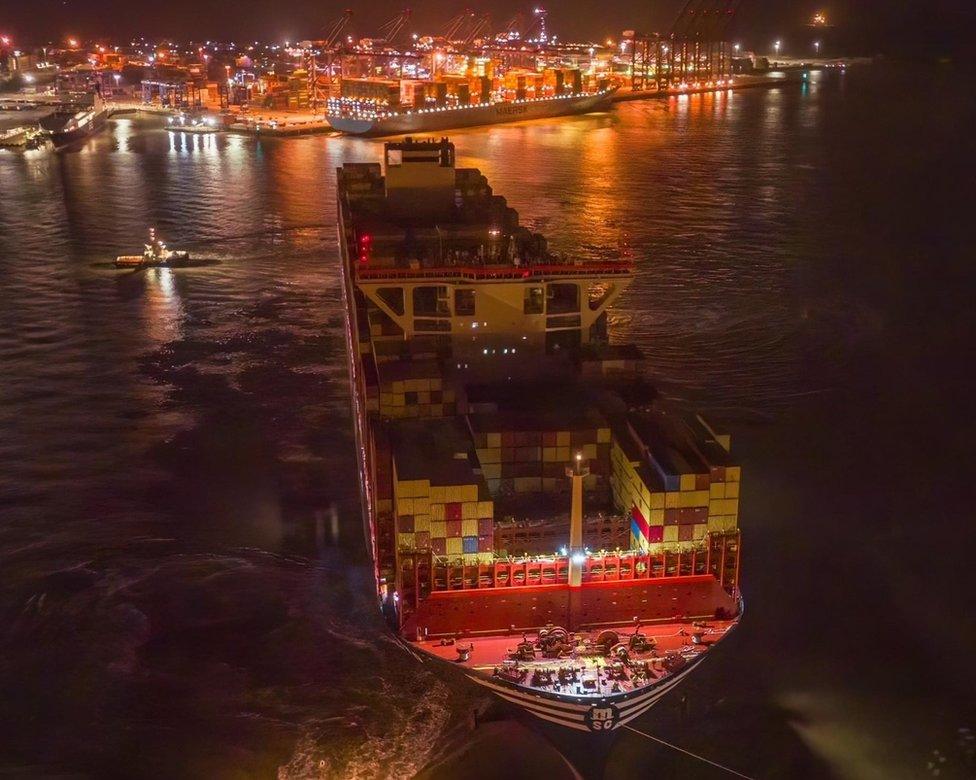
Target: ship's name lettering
[(509, 110)]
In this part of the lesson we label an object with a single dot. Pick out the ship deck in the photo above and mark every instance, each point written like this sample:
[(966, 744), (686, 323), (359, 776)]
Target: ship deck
[(584, 672)]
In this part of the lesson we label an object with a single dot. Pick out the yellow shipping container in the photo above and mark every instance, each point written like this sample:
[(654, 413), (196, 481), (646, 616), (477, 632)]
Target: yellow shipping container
[(656, 517), (716, 490), (437, 512), (687, 481), (732, 490), (469, 510), (405, 506), (527, 484), (562, 440), (486, 509), (455, 545), (493, 455), (406, 541), (438, 529), (733, 473), (549, 454), (470, 559), (421, 522), (469, 527), (492, 471), (589, 451), (670, 500), (438, 494), (721, 523), (700, 529), (670, 533), (494, 440), (469, 493), (657, 501), (603, 435)]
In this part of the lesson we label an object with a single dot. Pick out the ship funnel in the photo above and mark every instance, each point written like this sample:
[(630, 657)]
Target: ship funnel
[(577, 554)]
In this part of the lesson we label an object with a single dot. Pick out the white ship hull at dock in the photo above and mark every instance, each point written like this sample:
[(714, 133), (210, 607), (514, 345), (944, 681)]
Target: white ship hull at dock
[(426, 120)]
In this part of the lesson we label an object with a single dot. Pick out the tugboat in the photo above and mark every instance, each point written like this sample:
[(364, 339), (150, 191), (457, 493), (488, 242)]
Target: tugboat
[(155, 255), (193, 123)]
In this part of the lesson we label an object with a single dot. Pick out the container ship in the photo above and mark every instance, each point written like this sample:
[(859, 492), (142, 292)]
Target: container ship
[(539, 519), (380, 107), (68, 126)]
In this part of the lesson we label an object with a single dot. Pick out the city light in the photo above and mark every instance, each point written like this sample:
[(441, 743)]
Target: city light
[(776, 46)]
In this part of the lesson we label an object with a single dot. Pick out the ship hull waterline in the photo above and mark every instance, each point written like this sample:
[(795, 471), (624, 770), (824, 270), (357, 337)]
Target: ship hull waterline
[(473, 116)]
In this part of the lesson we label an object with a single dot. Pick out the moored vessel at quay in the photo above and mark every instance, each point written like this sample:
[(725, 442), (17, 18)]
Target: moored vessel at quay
[(377, 122), (69, 125), (539, 520)]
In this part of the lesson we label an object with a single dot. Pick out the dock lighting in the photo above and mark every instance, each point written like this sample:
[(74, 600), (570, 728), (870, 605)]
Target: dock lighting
[(579, 558), (776, 46), (73, 43), (609, 41), (5, 40), (736, 47), (816, 46), (28, 78)]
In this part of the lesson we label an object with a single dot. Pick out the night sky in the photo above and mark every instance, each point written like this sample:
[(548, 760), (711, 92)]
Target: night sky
[(865, 26)]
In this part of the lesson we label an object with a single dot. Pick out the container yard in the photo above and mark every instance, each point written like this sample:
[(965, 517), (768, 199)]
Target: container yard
[(392, 81)]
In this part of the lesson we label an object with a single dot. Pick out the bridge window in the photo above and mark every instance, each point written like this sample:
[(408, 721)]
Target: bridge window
[(431, 301), (534, 301), (562, 299), (464, 302)]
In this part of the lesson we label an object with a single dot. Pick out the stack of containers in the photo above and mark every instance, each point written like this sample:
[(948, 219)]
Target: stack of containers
[(448, 520), (723, 507), (673, 488), (519, 456), (414, 388)]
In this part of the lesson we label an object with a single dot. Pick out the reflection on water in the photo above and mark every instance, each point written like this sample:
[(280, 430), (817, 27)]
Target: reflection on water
[(168, 438)]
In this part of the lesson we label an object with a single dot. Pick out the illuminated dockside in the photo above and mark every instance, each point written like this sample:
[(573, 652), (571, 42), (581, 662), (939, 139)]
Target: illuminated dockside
[(537, 518)]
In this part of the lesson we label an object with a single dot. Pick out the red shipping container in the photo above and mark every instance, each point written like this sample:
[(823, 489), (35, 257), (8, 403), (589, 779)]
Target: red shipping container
[(686, 533), (702, 481), (718, 474), (655, 533), (452, 511), (422, 540), (406, 524), (438, 546), (638, 518), (453, 528), (671, 516), (485, 543), (549, 439), (485, 526)]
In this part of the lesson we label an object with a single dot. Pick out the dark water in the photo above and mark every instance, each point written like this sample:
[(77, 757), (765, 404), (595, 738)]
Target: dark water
[(177, 600)]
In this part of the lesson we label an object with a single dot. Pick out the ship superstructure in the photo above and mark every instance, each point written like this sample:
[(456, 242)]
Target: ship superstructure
[(537, 517)]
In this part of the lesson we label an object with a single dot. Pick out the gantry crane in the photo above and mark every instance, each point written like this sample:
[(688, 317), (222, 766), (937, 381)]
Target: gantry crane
[(327, 47)]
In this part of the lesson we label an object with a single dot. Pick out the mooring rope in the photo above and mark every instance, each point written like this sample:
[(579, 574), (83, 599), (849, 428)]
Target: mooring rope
[(688, 753)]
